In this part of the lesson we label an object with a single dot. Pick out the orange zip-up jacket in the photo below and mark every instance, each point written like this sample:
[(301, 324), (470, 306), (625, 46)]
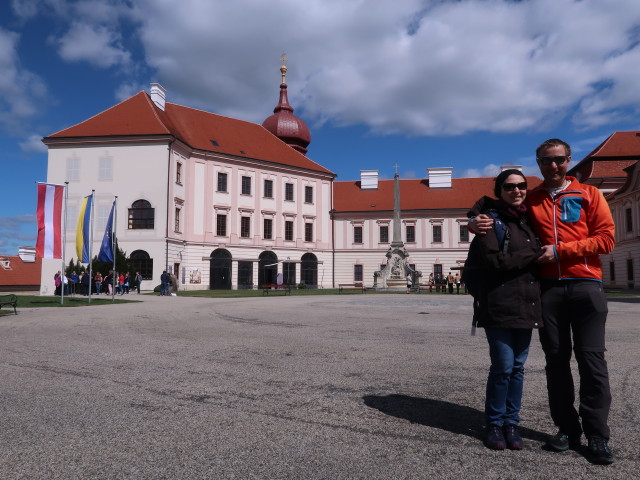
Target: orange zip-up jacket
[(579, 223)]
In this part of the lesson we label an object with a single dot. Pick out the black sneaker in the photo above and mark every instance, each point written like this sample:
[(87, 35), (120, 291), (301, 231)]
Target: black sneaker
[(495, 438), (561, 442), (598, 451), (512, 437)]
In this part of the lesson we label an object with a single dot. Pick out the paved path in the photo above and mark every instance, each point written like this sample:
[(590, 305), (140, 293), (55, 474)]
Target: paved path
[(319, 387)]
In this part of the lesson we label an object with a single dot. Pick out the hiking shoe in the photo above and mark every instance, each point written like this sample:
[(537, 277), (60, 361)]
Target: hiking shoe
[(561, 442), (598, 451), (495, 438), (512, 437)]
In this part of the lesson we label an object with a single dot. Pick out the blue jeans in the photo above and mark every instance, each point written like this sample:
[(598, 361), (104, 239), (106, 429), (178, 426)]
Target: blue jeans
[(508, 348)]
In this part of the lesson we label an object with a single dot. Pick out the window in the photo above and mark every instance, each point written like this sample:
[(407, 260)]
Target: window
[(222, 182), (179, 173), (411, 233), (268, 189), (288, 191), (268, 229), (437, 273), (308, 194), (612, 271), (104, 168), (177, 218), (628, 219), (357, 273), (464, 233), (221, 225), (308, 232), (288, 273), (630, 269), (437, 233), (384, 233), (102, 217), (246, 185), (245, 227), (139, 261), (141, 215), (288, 230), (73, 169), (357, 234)]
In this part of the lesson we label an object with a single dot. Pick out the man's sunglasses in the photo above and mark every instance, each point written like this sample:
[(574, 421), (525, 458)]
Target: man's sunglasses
[(557, 160), (510, 187)]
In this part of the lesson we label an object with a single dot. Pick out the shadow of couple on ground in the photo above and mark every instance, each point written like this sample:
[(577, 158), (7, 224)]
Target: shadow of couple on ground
[(451, 417)]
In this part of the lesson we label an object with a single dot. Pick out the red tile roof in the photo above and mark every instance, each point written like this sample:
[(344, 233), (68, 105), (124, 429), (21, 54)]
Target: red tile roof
[(414, 194), (610, 158), (138, 115), (20, 273)]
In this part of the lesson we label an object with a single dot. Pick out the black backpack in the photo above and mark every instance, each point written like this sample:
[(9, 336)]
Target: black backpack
[(473, 272)]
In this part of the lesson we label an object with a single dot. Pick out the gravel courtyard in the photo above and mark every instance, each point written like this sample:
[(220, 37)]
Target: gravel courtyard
[(352, 386)]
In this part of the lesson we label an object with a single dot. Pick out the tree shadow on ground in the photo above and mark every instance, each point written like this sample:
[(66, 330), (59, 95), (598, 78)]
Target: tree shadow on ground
[(451, 417)]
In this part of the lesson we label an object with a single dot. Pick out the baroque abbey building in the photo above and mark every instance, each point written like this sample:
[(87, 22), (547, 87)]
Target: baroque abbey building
[(227, 204)]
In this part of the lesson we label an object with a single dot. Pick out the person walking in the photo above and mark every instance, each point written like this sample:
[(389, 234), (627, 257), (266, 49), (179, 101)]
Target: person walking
[(575, 226), (506, 304), (164, 283), (121, 283), (138, 280), (98, 280)]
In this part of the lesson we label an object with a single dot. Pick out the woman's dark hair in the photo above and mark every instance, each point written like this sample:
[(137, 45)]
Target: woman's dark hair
[(497, 188)]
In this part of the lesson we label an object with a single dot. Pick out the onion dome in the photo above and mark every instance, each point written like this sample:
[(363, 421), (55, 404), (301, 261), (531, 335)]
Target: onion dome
[(284, 124)]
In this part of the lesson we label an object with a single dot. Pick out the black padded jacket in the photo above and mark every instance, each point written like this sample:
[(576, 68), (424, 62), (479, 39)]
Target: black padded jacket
[(510, 293)]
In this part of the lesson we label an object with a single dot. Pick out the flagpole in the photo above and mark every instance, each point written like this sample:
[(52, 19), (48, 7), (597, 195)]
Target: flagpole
[(64, 242), (114, 246), (93, 201)]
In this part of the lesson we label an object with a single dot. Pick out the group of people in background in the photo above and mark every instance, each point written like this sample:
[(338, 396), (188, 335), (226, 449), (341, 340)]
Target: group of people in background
[(118, 283), (547, 277)]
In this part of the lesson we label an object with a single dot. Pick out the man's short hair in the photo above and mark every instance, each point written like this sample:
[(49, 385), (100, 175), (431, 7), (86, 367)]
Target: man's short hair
[(552, 142)]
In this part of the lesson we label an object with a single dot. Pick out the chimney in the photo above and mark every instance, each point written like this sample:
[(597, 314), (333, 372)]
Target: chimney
[(27, 254), (369, 179), (509, 167), (158, 95), (439, 177)]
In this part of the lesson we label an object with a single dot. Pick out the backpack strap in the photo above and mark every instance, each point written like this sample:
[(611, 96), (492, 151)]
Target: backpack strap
[(502, 232)]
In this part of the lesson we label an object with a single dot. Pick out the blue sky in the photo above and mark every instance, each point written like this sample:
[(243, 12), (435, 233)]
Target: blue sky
[(471, 84)]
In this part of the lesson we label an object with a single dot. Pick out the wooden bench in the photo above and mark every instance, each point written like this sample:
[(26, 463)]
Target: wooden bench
[(351, 286), (11, 300), (438, 286), (274, 287)]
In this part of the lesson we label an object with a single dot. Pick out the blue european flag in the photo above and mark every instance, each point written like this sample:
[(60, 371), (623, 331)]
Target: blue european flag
[(106, 249)]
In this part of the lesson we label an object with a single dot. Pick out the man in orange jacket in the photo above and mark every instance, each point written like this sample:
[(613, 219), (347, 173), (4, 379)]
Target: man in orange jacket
[(575, 226)]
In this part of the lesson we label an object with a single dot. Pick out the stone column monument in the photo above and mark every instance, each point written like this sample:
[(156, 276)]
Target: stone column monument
[(394, 275)]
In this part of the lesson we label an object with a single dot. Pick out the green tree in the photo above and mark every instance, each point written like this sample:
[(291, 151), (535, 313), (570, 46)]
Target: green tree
[(122, 265)]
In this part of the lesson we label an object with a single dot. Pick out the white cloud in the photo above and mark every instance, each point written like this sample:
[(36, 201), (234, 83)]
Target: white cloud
[(95, 44), (33, 144), (413, 67), (21, 91)]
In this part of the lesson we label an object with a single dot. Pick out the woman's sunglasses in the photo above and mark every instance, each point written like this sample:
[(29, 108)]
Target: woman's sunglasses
[(510, 187)]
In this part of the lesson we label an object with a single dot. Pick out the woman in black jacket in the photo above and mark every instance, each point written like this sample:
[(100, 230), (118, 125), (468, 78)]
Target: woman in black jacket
[(507, 305)]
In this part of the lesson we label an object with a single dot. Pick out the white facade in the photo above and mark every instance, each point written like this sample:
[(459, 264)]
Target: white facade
[(622, 266), (182, 188), (426, 253)]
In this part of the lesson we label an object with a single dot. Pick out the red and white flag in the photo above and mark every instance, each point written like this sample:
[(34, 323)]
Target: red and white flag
[(49, 214)]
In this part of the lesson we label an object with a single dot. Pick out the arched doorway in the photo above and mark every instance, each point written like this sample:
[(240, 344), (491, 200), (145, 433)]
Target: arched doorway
[(267, 268), (220, 270), (309, 270)]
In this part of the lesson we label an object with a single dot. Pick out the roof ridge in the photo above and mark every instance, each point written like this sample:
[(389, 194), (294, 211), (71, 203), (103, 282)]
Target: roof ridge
[(212, 113), (154, 111)]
